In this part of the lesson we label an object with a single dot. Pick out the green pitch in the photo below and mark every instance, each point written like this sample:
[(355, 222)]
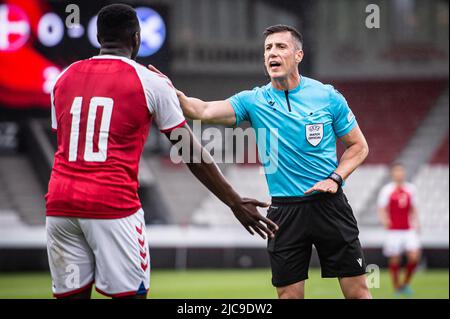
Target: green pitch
[(229, 284)]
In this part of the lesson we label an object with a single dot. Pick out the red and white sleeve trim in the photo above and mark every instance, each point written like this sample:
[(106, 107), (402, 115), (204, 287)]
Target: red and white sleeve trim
[(167, 130)]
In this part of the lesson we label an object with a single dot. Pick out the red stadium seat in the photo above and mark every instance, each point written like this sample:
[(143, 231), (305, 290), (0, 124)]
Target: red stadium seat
[(441, 155), (389, 111)]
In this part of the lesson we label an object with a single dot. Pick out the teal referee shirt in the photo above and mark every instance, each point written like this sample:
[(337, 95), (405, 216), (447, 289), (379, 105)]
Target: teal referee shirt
[(296, 132)]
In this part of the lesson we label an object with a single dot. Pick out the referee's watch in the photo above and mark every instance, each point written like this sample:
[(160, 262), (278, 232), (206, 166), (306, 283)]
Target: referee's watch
[(337, 178)]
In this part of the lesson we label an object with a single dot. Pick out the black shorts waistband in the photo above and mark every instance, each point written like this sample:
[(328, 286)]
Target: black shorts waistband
[(289, 200)]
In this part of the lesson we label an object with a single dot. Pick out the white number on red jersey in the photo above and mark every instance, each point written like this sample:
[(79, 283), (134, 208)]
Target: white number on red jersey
[(75, 110)]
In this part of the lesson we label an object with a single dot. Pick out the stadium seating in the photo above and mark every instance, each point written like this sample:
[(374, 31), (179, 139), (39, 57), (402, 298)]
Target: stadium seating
[(441, 155), (433, 197), (247, 180), (250, 182), (20, 193), (389, 111), (362, 184)]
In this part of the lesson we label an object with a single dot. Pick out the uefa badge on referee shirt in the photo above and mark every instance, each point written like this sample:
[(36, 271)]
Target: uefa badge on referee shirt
[(314, 133)]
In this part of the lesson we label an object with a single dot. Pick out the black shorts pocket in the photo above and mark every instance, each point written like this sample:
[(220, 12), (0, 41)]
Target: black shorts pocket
[(272, 213)]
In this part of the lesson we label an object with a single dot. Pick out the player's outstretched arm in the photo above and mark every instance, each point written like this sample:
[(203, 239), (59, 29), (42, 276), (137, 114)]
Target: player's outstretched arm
[(201, 164), (213, 112)]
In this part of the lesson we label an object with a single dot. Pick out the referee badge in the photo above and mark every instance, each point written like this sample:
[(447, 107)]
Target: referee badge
[(314, 133)]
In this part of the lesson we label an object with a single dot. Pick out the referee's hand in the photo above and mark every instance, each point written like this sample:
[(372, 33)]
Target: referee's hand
[(325, 186), (247, 213), (152, 68)]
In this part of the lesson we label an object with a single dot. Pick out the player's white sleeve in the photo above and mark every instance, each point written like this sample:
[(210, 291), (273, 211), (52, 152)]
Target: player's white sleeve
[(413, 193), (52, 97), (383, 197), (54, 122), (166, 107), (162, 100)]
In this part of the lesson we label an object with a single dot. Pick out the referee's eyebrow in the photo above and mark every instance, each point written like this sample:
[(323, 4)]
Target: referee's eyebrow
[(278, 44)]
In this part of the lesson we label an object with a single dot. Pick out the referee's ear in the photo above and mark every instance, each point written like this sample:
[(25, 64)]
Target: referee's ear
[(299, 55)]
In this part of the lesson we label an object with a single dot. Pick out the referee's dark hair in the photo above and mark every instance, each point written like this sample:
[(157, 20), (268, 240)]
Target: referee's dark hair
[(285, 28), (117, 23)]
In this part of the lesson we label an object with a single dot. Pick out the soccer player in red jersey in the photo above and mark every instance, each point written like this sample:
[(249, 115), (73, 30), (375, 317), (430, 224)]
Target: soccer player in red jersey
[(397, 207), (102, 109)]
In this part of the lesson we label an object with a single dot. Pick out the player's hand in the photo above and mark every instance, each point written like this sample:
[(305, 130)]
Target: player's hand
[(154, 69), (325, 186), (247, 213), (180, 94)]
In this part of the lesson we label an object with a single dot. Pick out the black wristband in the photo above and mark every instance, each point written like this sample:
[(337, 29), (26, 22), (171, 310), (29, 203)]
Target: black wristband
[(337, 178)]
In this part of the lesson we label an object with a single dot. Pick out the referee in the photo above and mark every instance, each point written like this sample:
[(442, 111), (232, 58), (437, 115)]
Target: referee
[(308, 203)]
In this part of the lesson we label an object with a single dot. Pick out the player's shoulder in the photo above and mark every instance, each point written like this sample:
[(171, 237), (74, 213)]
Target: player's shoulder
[(138, 67), (67, 71), (410, 187), (151, 81), (388, 188), (142, 71)]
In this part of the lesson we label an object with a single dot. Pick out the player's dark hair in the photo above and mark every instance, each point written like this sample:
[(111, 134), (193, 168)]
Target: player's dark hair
[(117, 22), (283, 28)]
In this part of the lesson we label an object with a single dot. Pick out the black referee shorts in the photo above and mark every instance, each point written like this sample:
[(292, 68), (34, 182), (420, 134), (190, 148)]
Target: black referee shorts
[(323, 220)]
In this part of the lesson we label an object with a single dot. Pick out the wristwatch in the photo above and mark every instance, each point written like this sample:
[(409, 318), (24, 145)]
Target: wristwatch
[(337, 178)]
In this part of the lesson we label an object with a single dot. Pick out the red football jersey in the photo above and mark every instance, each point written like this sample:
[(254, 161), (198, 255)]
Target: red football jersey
[(398, 201), (102, 109)]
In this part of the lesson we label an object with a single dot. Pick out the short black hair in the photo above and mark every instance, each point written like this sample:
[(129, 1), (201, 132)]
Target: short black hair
[(284, 28), (117, 22)]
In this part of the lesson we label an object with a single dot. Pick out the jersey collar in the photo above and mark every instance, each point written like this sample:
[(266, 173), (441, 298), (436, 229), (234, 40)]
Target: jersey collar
[(110, 56), (294, 90)]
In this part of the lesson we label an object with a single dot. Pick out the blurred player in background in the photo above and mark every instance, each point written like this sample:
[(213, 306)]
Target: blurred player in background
[(102, 110), (397, 209), (308, 203)]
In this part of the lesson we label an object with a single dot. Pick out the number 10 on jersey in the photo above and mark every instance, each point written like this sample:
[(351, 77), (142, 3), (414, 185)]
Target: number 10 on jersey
[(75, 110)]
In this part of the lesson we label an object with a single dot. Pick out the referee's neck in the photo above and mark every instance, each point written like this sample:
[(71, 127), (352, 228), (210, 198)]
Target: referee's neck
[(286, 84)]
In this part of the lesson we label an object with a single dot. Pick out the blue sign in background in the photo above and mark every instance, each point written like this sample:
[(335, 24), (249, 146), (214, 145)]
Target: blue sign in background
[(153, 31)]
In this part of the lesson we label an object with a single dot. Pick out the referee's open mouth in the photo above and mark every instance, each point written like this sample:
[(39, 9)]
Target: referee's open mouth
[(274, 65)]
